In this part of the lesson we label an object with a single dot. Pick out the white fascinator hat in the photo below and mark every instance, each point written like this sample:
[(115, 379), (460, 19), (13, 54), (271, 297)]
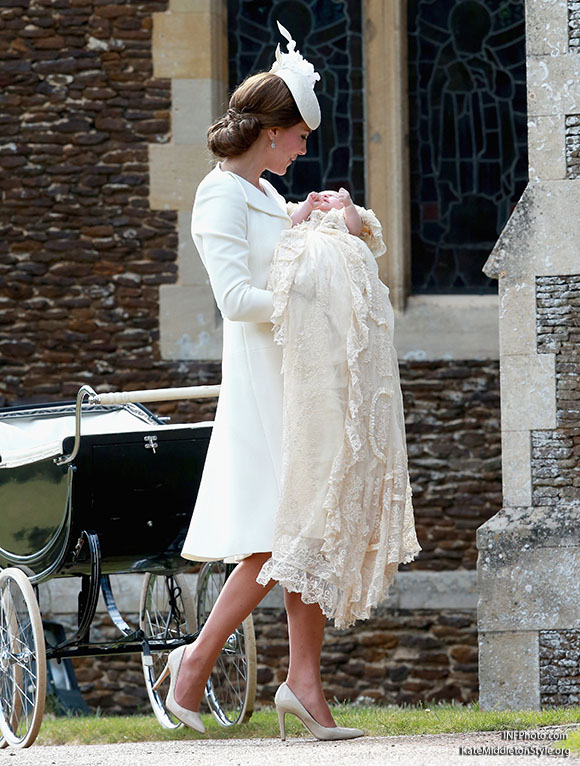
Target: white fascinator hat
[(299, 76)]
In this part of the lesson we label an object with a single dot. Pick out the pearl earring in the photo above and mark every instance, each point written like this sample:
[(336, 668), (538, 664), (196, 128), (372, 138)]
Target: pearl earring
[(273, 145)]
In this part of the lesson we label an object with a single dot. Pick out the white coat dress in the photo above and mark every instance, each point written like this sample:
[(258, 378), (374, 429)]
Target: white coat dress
[(236, 228)]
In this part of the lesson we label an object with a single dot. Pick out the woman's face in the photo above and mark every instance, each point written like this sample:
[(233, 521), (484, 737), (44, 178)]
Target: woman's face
[(290, 142)]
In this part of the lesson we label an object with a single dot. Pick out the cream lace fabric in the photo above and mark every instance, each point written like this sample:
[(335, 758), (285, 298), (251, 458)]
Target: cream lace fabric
[(345, 517)]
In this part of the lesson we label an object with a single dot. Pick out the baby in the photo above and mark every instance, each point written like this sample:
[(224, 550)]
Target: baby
[(325, 201)]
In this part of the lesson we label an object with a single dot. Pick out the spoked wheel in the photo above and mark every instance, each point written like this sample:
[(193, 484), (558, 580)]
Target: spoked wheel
[(166, 613), (231, 689), (22, 660)]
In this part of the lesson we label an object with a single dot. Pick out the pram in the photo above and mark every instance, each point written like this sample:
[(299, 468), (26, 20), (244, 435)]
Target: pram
[(92, 488)]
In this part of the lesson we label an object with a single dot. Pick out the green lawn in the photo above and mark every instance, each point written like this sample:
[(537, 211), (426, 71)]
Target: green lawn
[(572, 743), (375, 721)]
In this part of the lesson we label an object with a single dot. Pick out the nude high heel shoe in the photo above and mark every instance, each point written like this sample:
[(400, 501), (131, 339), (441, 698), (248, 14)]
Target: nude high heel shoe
[(287, 702), (188, 717)]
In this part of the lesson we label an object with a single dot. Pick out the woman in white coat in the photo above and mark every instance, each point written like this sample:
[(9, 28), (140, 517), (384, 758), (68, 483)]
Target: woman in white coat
[(237, 220)]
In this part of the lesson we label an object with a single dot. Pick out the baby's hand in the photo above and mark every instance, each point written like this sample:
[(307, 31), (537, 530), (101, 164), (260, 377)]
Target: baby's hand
[(314, 199), (344, 197)]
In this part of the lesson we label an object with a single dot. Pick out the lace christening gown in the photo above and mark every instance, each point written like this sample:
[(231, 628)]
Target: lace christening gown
[(345, 517)]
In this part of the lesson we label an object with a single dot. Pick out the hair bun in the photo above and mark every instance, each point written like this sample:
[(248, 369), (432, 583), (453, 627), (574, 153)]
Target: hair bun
[(234, 133), (233, 114)]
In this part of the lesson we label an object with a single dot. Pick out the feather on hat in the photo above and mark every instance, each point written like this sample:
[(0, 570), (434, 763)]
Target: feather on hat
[(300, 77)]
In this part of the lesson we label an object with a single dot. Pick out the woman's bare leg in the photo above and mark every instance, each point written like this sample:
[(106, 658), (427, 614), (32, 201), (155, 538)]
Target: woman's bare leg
[(239, 596), (306, 631)]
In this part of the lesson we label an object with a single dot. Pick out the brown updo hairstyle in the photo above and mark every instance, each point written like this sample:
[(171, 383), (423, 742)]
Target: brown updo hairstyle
[(263, 100)]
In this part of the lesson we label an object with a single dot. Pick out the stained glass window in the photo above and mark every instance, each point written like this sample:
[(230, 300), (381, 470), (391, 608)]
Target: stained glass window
[(327, 33), (468, 137)]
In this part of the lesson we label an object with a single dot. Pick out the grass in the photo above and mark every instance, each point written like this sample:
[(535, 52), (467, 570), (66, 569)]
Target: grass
[(572, 742), (375, 721)]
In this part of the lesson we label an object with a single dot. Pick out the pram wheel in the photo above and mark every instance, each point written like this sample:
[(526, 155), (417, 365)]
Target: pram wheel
[(231, 689), (166, 613), (22, 660)]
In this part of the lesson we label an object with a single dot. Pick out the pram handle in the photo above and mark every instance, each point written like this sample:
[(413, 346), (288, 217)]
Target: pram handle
[(155, 395)]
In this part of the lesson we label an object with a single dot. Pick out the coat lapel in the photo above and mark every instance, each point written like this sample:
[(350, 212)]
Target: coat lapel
[(268, 201)]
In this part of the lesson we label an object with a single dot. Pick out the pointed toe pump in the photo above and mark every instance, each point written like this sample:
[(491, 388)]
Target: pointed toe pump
[(287, 702), (188, 717)]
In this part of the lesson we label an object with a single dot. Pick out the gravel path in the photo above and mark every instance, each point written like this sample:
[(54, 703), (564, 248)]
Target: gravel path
[(427, 750)]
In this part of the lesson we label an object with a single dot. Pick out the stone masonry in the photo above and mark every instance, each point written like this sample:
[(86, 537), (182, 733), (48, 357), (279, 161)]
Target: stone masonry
[(559, 663), (556, 453), (574, 25), (452, 422), (556, 463), (529, 553), (573, 145), (82, 254)]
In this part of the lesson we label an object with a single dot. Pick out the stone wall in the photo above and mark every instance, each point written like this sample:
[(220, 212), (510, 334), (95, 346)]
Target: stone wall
[(556, 463), (572, 146), (556, 453), (559, 667), (397, 657), (528, 553), (574, 26), (82, 254), (452, 421)]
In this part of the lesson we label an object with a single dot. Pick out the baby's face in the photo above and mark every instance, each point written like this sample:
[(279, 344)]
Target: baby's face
[(330, 200)]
